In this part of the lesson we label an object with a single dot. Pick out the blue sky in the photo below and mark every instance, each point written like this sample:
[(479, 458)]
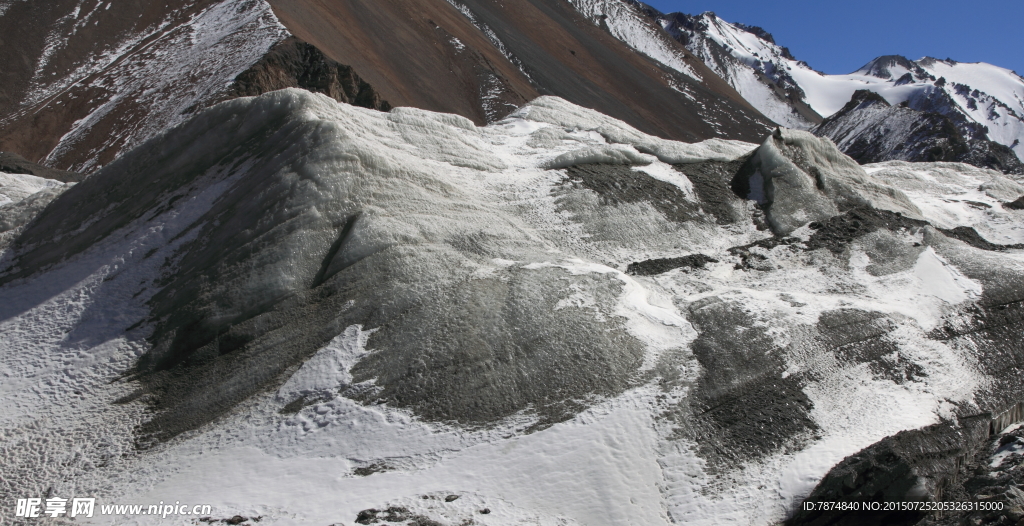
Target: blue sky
[(839, 37)]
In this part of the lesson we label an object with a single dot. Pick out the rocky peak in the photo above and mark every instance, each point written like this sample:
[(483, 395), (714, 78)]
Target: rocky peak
[(890, 67)]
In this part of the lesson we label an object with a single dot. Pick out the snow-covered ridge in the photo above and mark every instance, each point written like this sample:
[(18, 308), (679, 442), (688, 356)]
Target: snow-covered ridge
[(976, 96), (757, 68), (411, 267), (870, 130), (21, 198), (638, 31)]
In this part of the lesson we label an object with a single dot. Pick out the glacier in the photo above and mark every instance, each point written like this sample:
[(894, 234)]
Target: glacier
[(300, 310)]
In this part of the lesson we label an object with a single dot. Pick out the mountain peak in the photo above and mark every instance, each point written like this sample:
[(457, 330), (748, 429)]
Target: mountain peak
[(888, 67), (867, 96)]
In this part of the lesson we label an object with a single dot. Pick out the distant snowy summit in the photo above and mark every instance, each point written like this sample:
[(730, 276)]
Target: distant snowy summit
[(983, 101)]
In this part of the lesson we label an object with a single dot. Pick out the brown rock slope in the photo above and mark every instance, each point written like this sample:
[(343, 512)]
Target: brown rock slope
[(482, 58)]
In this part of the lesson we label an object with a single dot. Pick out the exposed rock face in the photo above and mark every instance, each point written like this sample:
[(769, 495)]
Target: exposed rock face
[(967, 462), (995, 477), (293, 63), (1015, 205), (653, 267), (897, 68), (870, 130)]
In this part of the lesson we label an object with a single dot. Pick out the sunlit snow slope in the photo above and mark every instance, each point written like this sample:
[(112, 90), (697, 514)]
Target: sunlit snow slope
[(749, 60), (301, 310)]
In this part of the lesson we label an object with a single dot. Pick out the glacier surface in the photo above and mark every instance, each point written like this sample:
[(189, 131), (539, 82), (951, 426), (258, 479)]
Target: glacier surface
[(296, 309)]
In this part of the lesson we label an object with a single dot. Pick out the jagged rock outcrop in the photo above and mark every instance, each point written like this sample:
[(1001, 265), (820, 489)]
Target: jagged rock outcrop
[(293, 63)]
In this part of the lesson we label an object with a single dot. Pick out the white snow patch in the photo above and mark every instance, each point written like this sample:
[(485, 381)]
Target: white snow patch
[(923, 293), (952, 194), (602, 155), (15, 187), (651, 317), (328, 369), (665, 172)]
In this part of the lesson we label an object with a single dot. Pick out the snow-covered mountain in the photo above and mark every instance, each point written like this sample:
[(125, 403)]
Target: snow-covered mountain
[(659, 37), (748, 58), (308, 312), (332, 305), (869, 129), (983, 100)]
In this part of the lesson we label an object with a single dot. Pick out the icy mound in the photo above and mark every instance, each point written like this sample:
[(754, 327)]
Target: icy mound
[(800, 178), (312, 312), (326, 216), (559, 112)]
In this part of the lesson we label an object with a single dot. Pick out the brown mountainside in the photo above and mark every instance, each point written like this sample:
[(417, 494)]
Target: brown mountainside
[(482, 58), (83, 82)]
